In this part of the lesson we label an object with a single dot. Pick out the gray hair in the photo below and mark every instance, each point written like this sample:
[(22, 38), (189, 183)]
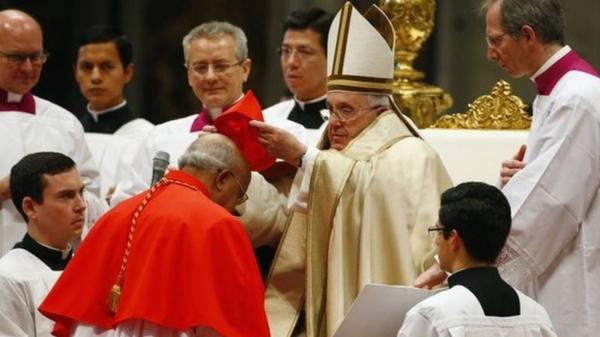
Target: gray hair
[(215, 29), (544, 16), (209, 153), (378, 100)]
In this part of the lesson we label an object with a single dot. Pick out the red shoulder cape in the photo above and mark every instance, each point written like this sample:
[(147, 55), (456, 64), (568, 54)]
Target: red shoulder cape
[(191, 264)]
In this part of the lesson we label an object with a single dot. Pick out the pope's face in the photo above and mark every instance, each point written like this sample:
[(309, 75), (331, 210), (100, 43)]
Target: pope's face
[(101, 75), (214, 73), (21, 50), (341, 132)]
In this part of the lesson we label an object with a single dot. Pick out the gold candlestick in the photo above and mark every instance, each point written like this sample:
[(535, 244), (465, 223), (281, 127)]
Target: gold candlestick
[(413, 23)]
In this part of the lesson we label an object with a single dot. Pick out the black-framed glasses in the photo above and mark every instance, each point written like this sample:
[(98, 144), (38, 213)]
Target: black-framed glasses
[(219, 68), (20, 58), (432, 231), (244, 196), (494, 41)]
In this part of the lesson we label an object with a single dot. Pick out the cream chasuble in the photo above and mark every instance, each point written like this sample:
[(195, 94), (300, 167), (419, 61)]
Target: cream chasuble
[(369, 207)]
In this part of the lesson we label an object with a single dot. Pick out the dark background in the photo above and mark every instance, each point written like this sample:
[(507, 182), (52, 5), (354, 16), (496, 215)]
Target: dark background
[(453, 57)]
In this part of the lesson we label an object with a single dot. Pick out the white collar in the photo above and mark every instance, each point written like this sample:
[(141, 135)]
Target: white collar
[(12, 97), (550, 61), (65, 252), (96, 113), (215, 112), (302, 103)]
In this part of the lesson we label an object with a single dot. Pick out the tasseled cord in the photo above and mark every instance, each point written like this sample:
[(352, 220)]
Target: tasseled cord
[(114, 296)]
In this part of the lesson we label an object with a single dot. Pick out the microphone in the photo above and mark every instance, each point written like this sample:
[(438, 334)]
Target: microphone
[(159, 166)]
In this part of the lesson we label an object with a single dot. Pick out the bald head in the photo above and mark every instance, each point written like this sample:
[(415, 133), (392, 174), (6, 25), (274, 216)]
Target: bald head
[(217, 162), (213, 151), (21, 47)]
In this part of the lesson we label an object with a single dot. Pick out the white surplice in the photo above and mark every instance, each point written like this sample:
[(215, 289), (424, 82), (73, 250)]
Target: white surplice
[(24, 283), (456, 312), (52, 128), (553, 251), (282, 110)]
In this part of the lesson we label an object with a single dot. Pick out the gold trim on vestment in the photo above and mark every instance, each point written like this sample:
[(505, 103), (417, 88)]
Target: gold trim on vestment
[(342, 39), (362, 86)]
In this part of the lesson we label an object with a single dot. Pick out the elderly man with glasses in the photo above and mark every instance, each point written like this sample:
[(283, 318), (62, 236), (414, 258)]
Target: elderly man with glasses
[(30, 124), (172, 261), (553, 183), (362, 202)]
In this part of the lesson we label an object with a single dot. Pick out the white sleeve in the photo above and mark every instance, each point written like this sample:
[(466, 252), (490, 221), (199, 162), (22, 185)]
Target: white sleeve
[(415, 324), (264, 213), (90, 175), (133, 177), (299, 193), (16, 316), (550, 197)]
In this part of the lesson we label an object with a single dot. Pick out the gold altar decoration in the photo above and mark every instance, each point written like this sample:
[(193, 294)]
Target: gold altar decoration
[(413, 23), (498, 110)]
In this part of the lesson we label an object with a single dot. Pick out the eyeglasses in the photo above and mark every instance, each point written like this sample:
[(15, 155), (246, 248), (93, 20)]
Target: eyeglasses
[(432, 231), (244, 196), (302, 53), (494, 41), (217, 68), (19, 58), (345, 114)]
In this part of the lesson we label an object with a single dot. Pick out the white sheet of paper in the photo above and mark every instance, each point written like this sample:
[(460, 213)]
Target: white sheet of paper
[(379, 310)]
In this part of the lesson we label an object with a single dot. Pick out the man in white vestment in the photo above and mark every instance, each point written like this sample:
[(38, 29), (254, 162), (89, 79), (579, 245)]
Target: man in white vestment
[(552, 184), (103, 67), (363, 201), (30, 124), (48, 192), (303, 57), (216, 58), (474, 221)]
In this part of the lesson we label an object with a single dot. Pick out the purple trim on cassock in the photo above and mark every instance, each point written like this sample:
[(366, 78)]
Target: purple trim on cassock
[(201, 120), (570, 62), (27, 103)]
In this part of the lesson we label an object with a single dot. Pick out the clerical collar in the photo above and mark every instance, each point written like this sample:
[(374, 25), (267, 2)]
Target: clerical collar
[(96, 113), (55, 259), (549, 62), (207, 116), (308, 113), (495, 296), (303, 103), (562, 62), (10, 101)]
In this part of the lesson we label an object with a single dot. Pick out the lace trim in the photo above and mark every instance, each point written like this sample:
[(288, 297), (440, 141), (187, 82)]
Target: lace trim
[(514, 268)]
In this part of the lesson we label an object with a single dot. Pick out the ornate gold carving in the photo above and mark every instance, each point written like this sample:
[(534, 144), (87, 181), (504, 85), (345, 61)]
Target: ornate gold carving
[(498, 110), (413, 23)]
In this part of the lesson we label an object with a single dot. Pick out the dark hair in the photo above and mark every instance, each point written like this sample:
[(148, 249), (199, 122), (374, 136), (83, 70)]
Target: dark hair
[(27, 176), (544, 16), (480, 214), (314, 18), (107, 33)]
